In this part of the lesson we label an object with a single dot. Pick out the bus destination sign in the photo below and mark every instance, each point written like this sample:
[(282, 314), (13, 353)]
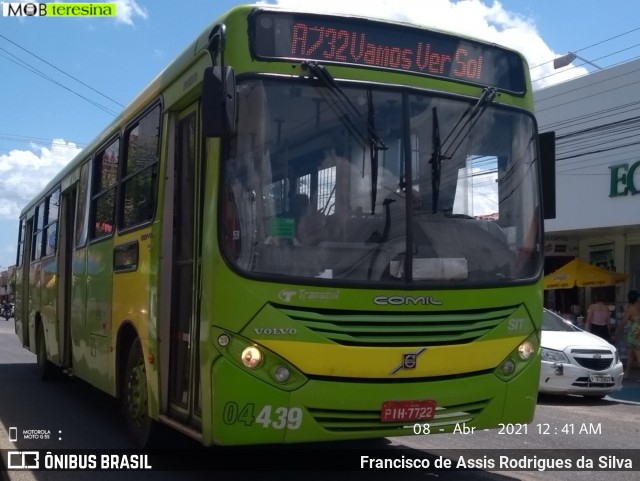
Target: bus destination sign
[(369, 43)]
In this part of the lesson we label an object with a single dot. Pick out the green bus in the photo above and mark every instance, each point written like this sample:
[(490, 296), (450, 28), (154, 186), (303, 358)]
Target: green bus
[(308, 227)]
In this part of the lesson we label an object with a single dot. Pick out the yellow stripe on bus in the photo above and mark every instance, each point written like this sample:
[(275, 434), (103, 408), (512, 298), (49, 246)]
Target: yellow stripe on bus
[(377, 362)]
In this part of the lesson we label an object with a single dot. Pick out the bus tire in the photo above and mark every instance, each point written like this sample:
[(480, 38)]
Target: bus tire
[(135, 405), (45, 369)]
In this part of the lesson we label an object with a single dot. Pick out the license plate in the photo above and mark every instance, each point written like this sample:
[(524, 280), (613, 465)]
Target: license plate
[(407, 410), (600, 379)]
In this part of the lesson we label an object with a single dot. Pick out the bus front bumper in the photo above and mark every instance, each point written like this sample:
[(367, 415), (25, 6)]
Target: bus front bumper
[(246, 410)]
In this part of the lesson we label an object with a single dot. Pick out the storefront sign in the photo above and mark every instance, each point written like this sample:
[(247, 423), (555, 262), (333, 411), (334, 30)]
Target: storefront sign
[(622, 180), (557, 245)]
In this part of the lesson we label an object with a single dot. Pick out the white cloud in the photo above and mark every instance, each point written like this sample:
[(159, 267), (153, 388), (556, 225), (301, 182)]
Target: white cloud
[(473, 18), (127, 10), (24, 173)]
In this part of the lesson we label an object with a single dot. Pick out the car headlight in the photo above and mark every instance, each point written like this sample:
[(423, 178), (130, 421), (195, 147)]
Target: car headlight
[(553, 356)]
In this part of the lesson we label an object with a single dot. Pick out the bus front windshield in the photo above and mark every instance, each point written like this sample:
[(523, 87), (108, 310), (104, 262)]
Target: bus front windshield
[(375, 185)]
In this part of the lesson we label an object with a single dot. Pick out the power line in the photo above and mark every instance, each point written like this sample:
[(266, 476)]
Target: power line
[(21, 63), (595, 60), (36, 140), (573, 147), (608, 39), (588, 86), (608, 55), (593, 45), (62, 71)]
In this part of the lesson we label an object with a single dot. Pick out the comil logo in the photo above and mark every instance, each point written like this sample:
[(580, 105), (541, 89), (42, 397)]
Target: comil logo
[(58, 9)]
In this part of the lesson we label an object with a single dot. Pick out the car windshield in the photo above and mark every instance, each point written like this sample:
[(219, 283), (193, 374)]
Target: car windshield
[(553, 322), (379, 186)]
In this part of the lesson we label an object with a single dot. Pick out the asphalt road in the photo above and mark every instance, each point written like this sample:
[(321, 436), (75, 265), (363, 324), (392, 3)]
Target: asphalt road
[(75, 416)]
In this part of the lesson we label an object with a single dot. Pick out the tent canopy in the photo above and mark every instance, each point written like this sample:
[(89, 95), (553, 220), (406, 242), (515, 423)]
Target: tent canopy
[(579, 273)]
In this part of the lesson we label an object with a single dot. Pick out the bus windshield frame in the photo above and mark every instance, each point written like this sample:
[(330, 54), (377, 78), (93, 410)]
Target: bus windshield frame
[(305, 198)]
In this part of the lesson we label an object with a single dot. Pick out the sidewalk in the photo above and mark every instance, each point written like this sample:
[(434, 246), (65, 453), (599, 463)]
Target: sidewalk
[(630, 392)]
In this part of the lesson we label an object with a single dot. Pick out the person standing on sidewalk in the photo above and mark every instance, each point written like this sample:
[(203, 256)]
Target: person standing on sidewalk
[(598, 319), (631, 316)]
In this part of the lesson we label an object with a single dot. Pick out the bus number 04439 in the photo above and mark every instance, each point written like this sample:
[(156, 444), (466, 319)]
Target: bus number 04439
[(275, 417)]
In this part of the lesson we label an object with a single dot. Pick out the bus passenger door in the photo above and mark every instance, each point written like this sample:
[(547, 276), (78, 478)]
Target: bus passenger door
[(65, 252), (23, 302), (184, 386)]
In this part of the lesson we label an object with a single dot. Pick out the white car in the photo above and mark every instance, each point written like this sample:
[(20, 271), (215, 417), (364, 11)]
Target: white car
[(575, 361)]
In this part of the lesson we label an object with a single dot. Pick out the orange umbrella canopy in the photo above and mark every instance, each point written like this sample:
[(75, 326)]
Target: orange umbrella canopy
[(579, 273)]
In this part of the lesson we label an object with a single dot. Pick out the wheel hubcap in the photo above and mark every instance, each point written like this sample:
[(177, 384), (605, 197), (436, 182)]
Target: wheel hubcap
[(137, 394)]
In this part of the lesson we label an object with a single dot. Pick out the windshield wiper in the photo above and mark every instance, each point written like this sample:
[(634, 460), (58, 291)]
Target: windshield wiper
[(321, 73), (353, 120), (470, 117)]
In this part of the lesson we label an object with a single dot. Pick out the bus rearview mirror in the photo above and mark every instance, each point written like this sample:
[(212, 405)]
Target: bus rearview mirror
[(218, 101)]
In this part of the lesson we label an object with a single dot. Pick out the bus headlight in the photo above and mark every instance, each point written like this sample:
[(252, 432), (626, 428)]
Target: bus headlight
[(256, 359), (508, 367), (282, 374), (526, 350), (521, 358), (251, 357)]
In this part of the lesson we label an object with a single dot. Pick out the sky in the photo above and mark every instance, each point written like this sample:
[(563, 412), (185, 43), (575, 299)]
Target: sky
[(63, 80)]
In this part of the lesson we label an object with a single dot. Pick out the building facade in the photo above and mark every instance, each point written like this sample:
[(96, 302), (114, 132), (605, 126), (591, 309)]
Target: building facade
[(596, 119)]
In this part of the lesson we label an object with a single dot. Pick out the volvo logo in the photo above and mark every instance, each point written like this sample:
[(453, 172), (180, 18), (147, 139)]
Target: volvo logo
[(275, 331), (409, 360)]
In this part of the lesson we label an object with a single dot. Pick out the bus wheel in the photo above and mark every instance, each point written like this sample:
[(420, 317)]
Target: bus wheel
[(44, 366), (134, 397)]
